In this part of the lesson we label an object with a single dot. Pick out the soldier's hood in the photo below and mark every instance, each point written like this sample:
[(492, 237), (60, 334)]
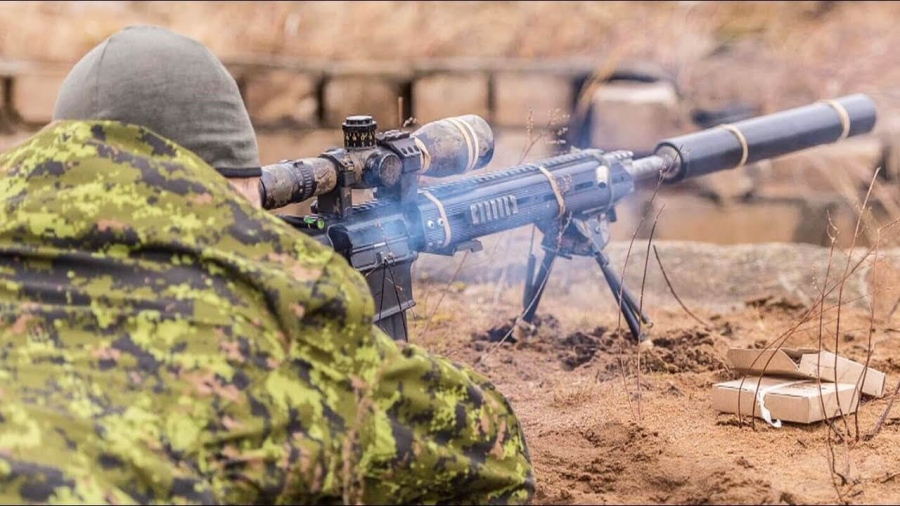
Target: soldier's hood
[(171, 84)]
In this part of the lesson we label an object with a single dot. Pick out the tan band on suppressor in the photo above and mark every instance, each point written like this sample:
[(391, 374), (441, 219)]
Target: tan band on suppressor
[(842, 113), (443, 214), (556, 192), (473, 159), (745, 150), (471, 140), (426, 156)]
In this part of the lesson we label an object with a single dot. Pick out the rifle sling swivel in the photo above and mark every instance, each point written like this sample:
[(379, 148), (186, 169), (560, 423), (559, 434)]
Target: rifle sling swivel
[(443, 213)]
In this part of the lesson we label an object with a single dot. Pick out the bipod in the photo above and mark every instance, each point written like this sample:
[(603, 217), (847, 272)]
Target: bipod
[(534, 285), (586, 245), (631, 310)]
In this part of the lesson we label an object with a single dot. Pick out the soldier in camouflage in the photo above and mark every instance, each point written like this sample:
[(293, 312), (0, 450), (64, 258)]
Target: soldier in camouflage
[(166, 341)]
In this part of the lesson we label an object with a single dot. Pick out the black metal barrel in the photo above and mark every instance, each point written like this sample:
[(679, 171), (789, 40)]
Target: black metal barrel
[(733, 145)]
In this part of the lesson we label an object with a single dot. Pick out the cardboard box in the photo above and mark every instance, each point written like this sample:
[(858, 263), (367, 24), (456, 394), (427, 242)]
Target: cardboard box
[(808, 363), (785, 399)]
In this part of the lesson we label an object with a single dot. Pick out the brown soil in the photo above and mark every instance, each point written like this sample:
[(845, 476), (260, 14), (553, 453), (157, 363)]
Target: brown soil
[(602, 430)]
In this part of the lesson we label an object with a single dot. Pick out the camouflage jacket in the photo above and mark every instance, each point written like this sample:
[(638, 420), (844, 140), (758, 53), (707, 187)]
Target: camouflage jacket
[(163, 341)]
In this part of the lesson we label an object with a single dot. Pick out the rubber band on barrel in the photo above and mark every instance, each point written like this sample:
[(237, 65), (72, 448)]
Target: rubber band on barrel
[(842, 113), (745, 150), (559, 198)]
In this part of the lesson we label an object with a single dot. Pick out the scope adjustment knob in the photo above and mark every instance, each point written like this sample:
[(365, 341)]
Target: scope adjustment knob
[(359, 132)]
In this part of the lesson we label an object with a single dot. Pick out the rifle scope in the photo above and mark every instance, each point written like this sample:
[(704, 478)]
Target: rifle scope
[(369, 159), (733, 145)]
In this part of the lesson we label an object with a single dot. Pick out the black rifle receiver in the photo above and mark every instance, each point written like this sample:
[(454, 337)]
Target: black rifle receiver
[(570, 197)]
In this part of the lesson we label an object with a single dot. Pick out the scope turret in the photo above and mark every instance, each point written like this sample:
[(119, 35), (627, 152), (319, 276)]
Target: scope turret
[(733, 145)]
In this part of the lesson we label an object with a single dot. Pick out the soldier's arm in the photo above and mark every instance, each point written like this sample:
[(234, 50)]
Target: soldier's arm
[(384, 423), (440, 433)]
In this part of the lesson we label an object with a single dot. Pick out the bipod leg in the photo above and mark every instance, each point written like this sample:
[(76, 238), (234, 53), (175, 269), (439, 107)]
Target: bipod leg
[(534, 288), (630, 309)]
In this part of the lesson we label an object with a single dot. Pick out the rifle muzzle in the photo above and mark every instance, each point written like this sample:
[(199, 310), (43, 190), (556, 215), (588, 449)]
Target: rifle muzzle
[(734, 145)]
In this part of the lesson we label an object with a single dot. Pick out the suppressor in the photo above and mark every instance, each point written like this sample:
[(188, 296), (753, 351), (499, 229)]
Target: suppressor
[(733, 145)]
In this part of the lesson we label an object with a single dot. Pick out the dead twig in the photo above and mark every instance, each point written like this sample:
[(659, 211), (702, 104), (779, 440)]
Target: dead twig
[(444, 292), (884, 415), (681, 303), (619, 296), (856, 234), (641, 303)]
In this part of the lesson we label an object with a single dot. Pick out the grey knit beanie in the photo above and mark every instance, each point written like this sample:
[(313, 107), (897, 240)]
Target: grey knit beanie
[(171, 84)]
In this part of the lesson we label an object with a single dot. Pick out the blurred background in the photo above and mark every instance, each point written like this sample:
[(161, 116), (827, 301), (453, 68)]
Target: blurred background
[(547, 76)]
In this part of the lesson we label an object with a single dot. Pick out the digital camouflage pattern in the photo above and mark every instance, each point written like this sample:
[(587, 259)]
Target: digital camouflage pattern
[(162, 341)]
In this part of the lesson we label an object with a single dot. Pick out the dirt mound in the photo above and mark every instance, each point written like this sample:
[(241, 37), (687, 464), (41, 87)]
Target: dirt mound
[(640, 444), (616, 452), (579, 348), (601, 434), (514, 330), (691, 350), (626, 462), (718, 486), (774, 304), (889, 365)]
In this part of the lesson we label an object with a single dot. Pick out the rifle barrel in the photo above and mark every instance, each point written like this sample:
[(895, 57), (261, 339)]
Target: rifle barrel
[(648, 167)]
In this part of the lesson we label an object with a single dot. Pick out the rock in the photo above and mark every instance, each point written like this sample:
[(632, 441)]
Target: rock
[(291, 144), (635, 115), (890, 138), (691, 218), (711, 276), (515, 146), (439, 96), (730, 184), (844, 166), (371, 95), (547, 97), (34, 95), (12, 140), (6, 116), (882, 278), (276, 97)]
